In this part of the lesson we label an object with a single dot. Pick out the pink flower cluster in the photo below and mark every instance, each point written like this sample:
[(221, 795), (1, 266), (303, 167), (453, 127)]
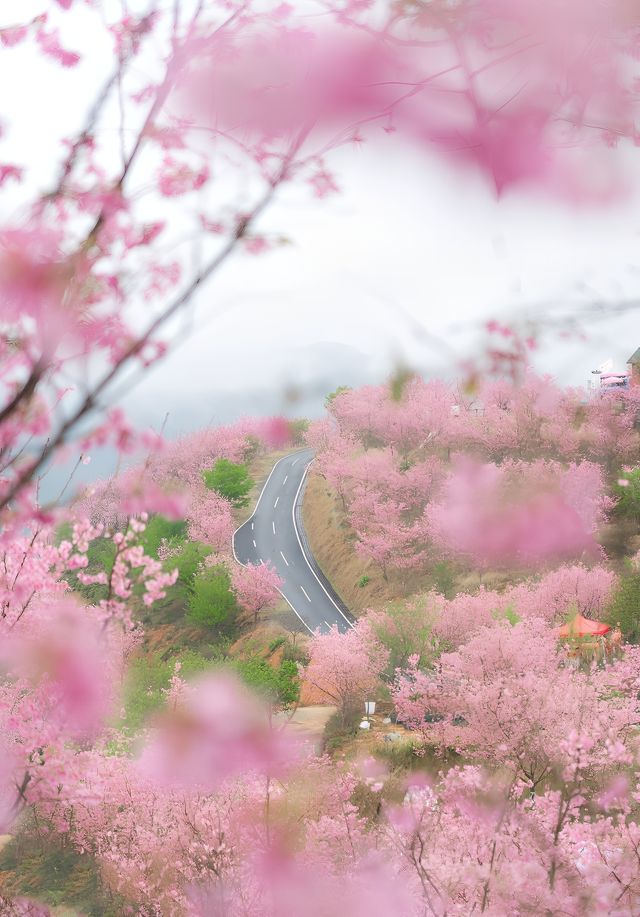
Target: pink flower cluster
[(529, 485)]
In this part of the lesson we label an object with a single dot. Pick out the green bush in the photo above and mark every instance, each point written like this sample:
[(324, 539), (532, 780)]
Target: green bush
[(625, 606), (159, 528), (288, 683), (63, 532), (277, 643), (229, 480), (295, 653), (148, 677), (281, 685), (444, 579), (339, 729), (53, 872), (362, 582), (298, 428), (219, 651), (400, 755), (405, 630), (253, 447), (102, 552), (508, 614), (628, 495), (188, 560), (211, 600), (100, 558), (331, 397)]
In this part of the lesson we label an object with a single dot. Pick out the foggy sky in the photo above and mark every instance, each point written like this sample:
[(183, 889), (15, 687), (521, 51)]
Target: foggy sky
[(409, 244)]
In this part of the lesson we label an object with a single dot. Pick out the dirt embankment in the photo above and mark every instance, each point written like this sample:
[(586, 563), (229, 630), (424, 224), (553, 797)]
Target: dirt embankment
[(358, 581)]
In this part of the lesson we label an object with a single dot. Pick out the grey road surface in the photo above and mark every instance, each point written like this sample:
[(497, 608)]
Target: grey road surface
[(275, 535)]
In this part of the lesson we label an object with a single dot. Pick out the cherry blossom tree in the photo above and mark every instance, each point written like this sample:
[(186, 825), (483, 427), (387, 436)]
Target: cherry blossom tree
[(256, 587), (346, 667), (506, 695), (551, 597)]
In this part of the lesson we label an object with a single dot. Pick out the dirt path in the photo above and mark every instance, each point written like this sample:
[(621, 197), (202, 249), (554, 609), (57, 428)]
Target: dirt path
[(308, 723)]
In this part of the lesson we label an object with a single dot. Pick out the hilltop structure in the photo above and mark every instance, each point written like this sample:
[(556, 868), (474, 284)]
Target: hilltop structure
[(633, 364)]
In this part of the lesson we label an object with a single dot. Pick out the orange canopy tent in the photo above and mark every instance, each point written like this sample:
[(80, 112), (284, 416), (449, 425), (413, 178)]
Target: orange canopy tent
[(582, 627)]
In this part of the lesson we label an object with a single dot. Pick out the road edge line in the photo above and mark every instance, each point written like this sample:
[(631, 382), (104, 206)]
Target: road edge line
[(302, 548)]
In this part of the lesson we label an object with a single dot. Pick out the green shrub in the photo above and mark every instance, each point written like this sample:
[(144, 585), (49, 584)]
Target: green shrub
[(253, 447), (400, 755), (219, 651), (628, 495), (63, 532), (331, 397), (211, 600), (230, 481), (159, 528), (288, 683), (148, 677), (444, 579), (100, 558), (339, 729), (188, 560), (405, 630), (625, 606), (295, 653), (281, 685), (298, 428), (507, 614), (399, 381), (54, 873), (362, 582), (276, 644)]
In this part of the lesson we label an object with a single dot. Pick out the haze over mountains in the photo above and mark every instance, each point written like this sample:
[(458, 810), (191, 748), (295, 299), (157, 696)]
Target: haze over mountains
[(295, 385), (295, 381)]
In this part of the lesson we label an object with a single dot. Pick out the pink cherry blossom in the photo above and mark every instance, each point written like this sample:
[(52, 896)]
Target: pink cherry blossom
[(219, 731), (518, 514), (255, 586), (346, 667), (49, 41)]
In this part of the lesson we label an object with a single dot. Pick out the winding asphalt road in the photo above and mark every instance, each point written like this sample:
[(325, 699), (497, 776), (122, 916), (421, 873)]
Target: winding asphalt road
[(275, 534)]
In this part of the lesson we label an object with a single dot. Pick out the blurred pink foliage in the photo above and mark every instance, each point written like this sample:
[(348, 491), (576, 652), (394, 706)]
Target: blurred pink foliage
[(221, 730), (518, 513)]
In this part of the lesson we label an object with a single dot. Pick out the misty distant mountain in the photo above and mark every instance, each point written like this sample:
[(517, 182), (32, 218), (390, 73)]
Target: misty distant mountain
[(306, 376), (296, 388)]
